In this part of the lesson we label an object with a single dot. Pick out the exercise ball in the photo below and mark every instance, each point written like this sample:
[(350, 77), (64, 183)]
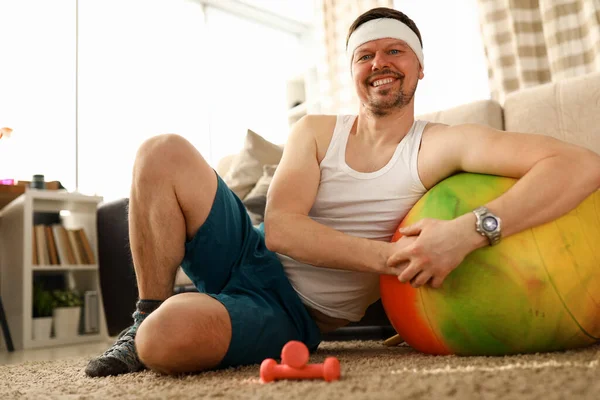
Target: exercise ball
[(536, 291)]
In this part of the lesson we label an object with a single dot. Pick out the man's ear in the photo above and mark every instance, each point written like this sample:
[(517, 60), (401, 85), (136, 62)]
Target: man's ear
[(421, 73)]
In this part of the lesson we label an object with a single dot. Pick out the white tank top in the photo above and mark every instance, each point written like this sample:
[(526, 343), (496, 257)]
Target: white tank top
[(368, 205)]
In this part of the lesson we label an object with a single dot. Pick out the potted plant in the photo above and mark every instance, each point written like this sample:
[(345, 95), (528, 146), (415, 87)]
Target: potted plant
[(67, 312), (43, 304)]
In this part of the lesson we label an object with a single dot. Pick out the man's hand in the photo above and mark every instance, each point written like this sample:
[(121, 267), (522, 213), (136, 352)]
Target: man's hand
[(431, 249)]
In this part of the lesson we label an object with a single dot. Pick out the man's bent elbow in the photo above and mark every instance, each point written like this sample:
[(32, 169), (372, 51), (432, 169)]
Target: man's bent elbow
[(593, 168), (271, 235), (597, 170), (281, 230)]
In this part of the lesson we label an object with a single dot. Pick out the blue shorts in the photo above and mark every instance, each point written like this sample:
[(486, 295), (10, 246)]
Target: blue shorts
[(228, 260)]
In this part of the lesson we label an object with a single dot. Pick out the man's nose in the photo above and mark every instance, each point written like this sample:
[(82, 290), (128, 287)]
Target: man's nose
[(380, 61)]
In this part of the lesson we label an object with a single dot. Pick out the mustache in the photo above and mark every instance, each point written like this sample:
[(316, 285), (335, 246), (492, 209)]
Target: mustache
[(373, 77)]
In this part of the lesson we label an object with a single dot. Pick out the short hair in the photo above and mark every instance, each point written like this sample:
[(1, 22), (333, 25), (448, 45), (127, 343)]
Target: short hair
[(383, 12)]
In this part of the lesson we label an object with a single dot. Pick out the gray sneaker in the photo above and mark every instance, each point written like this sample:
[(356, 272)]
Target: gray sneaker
[(120, 358)]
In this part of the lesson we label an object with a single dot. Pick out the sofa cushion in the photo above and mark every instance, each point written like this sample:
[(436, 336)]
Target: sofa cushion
[(256, 200), (568, 110), (224, 164), (486, 112), (247, 166)]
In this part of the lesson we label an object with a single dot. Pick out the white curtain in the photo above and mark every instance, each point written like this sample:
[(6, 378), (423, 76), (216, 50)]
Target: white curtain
[(530, 42)]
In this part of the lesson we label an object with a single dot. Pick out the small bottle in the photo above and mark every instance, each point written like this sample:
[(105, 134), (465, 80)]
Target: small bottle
[(38, 182)]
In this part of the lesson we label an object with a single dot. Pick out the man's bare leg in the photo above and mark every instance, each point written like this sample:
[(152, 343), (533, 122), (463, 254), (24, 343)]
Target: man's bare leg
[(172, 193), (187, 333)]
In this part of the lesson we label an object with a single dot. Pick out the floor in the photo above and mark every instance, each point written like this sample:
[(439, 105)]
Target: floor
[(54, 353)]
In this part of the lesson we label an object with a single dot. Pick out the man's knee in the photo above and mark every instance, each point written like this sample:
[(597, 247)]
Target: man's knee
[(163, 154), (148, 345), (188, 332)]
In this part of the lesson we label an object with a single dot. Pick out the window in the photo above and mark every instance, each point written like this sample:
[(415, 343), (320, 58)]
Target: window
[(169, 66), (37, 90), (142, 72), (455, 64), (298, 10), (247, 70), (144, 67)]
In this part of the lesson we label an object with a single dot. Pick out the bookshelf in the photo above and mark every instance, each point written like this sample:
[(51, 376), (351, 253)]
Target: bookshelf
[(18, 268)]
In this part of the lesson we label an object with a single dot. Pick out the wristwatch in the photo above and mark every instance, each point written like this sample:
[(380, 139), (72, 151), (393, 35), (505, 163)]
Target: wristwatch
[(488, 225)]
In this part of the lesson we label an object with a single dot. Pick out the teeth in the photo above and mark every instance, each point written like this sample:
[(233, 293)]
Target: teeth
[(382, 82)]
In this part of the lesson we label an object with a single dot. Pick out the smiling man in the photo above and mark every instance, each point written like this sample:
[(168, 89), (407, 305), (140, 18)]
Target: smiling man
[(362, 46), (343, 185)]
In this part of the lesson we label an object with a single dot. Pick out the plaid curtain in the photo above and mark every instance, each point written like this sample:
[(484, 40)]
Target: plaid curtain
[(529, 42), (337, 90)]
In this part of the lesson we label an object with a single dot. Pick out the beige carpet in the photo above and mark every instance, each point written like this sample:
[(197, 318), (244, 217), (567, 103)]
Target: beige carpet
[(369, 371)]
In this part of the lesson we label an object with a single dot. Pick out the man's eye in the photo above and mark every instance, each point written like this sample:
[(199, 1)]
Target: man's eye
[(395, 51), (363, 58)]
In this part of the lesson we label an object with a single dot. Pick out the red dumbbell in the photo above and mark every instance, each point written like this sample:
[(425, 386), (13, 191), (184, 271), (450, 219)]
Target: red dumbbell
[(294, 365)]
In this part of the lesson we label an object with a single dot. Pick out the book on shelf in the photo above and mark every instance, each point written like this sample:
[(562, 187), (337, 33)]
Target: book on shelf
[(43, 256), (34, 257), (51, 245), (65, 253), (56, 245), (87, 249), (74, 242)]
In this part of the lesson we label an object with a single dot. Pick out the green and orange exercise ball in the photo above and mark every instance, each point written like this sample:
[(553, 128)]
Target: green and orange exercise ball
[(536, 291)]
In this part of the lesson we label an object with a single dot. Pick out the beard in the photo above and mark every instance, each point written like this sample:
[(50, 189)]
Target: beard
[(388, 100)]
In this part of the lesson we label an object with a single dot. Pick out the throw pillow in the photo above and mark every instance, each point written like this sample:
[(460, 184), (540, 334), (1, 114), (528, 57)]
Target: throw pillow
[(247, 166), (256, 200)]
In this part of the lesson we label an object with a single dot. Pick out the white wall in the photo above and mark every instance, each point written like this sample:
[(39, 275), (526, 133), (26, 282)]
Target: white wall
[(455, 65)]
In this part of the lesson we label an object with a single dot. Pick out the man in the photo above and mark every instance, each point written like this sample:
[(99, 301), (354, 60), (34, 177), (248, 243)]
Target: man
[(342, 187)]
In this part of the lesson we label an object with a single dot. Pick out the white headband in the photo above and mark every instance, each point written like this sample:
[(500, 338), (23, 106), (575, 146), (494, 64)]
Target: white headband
[(383, 28)]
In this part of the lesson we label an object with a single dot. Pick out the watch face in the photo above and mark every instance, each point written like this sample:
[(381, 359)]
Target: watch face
[(490, 224)]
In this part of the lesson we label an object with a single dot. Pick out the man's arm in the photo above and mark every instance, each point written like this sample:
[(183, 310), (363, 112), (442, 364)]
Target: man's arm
[(289, 230), (553, 178)]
